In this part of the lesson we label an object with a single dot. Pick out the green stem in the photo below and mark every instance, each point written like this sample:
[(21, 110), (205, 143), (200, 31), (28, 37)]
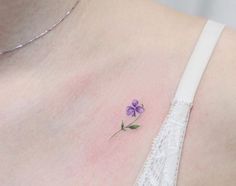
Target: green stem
[(116, 133), (126, 126)]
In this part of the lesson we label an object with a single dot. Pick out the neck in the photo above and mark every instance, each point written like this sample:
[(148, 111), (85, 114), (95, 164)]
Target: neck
[(21, 20), (24, 19), (95, 28)]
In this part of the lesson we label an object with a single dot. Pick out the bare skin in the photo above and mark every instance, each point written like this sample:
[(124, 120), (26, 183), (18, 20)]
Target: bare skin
[(63, 96)]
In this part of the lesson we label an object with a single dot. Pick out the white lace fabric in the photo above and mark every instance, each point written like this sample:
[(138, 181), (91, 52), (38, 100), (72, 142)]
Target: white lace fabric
[(161, 165)]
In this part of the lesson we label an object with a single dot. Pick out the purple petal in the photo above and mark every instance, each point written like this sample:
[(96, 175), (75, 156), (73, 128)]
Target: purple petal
[(130, 111), (139, 109), (135, 102)]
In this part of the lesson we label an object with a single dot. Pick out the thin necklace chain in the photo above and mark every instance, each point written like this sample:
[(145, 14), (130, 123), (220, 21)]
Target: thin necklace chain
[(41, 34)]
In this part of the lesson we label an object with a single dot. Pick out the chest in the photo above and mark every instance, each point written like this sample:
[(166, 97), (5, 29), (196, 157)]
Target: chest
[(58, 133)]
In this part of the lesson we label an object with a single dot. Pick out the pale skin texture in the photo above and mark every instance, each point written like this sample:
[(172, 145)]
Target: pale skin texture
[(63, 96)]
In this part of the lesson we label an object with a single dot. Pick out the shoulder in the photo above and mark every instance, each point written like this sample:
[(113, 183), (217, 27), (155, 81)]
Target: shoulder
[(222, 70), (211, 134), (214, 114)]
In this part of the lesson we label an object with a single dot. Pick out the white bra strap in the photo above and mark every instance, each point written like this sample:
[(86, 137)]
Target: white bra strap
[(198, 61)]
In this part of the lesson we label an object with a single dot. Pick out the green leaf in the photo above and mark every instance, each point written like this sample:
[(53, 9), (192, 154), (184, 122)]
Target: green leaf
[(134, 126)]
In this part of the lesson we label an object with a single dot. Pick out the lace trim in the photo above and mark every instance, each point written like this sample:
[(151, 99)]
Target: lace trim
[(162, 163)]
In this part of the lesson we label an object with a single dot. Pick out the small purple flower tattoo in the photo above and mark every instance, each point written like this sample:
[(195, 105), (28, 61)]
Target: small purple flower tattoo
[(134, 110)]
